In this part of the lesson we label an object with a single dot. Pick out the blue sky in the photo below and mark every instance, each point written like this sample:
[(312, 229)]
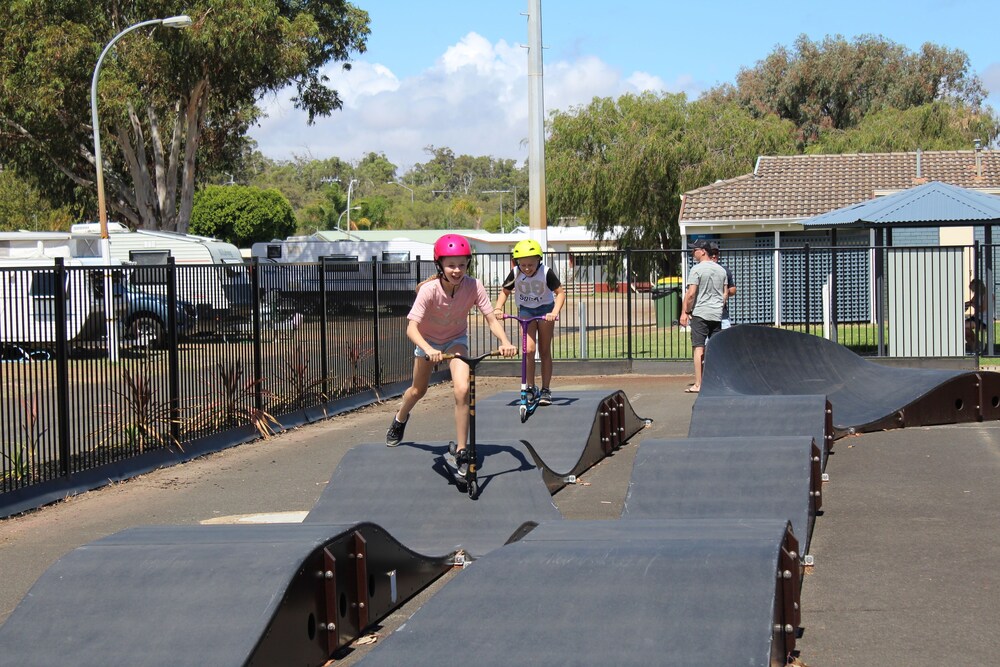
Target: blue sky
[(454, 73)]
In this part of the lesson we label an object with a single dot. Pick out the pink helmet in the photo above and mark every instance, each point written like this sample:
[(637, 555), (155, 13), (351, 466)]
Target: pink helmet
[(452, 245)]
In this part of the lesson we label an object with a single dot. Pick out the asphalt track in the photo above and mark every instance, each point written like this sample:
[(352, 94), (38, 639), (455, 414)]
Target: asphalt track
[(773, 477), (579, 429), (408, 491), (606, 593), (905, 549), (865, 396)]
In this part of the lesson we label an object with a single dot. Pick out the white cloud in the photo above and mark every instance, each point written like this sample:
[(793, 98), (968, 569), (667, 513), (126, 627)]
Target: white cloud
[(473, 100), (991, 81)]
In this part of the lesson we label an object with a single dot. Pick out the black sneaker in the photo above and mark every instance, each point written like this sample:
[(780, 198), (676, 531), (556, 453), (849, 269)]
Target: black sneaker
[(452, 448), (462, 462), (395, 433), (545, 397), (532, 392)]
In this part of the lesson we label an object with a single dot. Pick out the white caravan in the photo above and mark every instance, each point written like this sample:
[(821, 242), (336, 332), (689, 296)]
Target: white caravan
[(348, 282), (221, 289), (29, 287)]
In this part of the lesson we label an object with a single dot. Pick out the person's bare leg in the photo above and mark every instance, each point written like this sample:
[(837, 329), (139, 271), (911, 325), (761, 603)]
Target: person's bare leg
[(460, 384), (421, 378), (699, 356), (545, 333)]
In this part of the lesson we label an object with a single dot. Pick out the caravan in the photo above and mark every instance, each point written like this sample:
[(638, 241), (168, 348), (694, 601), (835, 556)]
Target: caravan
[(31, 283), (349, 279), (211, 273)]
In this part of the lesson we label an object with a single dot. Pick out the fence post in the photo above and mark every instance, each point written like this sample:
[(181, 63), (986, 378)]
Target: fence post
[(628, 303), (583, 329), (833, 287), (990, 290), (978, 300), (173, 356), (807, 310), (258, 353), (375, 347), (324, 350), (62, 364), (879, 286)]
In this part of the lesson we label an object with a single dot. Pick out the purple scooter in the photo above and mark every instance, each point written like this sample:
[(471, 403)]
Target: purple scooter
[(528, 403)]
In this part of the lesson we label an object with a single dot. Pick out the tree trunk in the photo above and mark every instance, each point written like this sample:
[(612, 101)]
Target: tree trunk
[(150, 201)]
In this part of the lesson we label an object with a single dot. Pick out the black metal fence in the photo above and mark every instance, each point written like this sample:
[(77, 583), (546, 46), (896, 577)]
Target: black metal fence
[(195, 353)]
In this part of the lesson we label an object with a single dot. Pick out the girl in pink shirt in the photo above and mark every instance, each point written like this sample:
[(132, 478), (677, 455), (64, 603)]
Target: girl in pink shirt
[(439, 324)]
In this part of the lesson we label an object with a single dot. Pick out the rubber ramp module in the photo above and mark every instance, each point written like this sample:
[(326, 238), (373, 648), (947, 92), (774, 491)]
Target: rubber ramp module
[(721, 416), (568, 437), (214, 595), (772, 477), (865, 396), (409, 491), (676, 593)]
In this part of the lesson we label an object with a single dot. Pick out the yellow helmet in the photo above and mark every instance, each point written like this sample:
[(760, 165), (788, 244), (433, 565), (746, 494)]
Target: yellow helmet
[(527, 248)]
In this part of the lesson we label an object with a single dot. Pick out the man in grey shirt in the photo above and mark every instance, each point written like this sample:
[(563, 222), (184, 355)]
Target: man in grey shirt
[(703, 303)]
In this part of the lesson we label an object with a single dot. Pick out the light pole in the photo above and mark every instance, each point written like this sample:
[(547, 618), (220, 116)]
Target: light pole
[(501, 193), (347, 211), (402, 186), (350, 187), (181, 21)]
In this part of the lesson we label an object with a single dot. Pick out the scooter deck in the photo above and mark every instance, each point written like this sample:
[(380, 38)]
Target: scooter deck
[(452, 466)]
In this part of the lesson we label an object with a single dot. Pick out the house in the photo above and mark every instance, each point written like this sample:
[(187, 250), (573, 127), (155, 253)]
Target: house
[(765, 209)]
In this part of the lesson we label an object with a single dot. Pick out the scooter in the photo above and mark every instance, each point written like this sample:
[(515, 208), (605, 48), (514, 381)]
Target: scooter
[(528, 404), (471, 479)]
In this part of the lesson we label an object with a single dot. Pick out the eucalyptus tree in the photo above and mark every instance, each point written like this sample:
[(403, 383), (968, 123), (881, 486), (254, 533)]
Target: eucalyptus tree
[(938, 126), (623, 164), (835, 83), (167, 98)]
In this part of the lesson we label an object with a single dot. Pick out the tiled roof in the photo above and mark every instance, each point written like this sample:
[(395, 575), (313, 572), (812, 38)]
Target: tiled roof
[(800, 186)]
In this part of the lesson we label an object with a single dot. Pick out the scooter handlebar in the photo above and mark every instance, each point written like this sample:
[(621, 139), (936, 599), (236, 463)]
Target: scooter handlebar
[(525, 320), (468, 360)]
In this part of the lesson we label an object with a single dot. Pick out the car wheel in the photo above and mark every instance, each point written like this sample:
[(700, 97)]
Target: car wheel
[(146, 329)]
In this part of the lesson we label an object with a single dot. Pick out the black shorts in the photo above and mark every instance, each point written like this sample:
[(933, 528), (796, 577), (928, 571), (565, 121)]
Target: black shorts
[(702, 330)]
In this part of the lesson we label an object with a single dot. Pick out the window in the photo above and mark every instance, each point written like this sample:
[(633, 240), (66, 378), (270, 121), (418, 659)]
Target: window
[(395, 262), (148, 258), (340, 264)]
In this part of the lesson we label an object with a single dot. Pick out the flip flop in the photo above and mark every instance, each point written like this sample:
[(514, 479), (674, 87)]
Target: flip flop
[(692, 390)]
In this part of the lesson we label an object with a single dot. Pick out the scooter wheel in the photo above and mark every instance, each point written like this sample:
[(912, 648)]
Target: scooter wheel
[(523, 411), (473, 488)]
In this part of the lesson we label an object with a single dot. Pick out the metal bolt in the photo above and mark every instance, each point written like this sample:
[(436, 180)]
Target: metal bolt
[(328, 574)]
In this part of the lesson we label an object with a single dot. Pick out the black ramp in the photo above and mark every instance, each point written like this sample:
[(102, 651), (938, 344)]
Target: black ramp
[(408, 491), (865, 396), (676, 593), (213, 595), (569, 436), (721, 416), (774, 477)]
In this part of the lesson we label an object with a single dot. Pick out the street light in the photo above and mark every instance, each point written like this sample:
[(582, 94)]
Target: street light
[(350, 187), (402, 186), (501, 193), (347, 211), (181, 21)]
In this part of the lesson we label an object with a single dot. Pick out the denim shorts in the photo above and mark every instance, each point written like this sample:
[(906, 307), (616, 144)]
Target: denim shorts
[(537, 311), (443, 347)]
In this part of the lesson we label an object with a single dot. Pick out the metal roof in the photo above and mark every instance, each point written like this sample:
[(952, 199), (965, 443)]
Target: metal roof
[(933, 204)]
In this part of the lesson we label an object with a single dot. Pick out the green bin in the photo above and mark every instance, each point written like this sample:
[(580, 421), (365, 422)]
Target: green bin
[(667, 299)]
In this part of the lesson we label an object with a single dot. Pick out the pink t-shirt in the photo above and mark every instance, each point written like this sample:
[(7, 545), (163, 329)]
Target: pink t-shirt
[(444, 318)]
